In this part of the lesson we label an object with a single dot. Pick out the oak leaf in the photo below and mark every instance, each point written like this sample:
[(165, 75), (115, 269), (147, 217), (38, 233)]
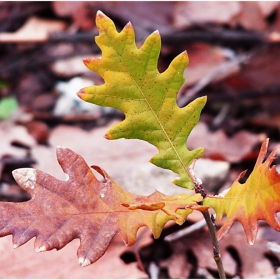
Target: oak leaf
[(257, 199), (134, 85), (85, 208)]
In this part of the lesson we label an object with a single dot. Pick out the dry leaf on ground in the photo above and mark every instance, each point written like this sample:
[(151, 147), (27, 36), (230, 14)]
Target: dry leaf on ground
[(27, 264), (253, 15), (267, 7), (142, 14), (197, 246), (14, 134), (188, 14), (250, 15), (204, 59), (110, 155), (34, 30), (262, 71), (220, 147)]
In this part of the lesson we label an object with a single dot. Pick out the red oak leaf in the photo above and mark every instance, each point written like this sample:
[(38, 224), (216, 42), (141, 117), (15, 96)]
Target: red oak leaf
[(85, 208)]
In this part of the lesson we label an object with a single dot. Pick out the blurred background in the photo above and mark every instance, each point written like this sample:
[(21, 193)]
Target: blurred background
[(234, 50)]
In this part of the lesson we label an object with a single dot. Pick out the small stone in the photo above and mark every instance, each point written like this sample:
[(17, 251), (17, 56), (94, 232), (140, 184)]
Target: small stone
[(213, 173)]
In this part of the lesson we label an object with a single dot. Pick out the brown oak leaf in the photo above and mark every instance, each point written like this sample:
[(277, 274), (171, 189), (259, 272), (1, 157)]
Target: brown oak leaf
[(85, 208)]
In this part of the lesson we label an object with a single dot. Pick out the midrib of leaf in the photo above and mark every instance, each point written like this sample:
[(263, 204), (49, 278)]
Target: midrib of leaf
[(153, 112)]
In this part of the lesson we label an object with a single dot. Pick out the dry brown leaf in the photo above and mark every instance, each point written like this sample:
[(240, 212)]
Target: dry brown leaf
[(262, 71), (83, 13), (189, 13), (11, 134), (266, 120), (117, 151), (199, 243), (250, 17), (55, 264), (39, 131), (254, 264), (276, 25), (204, 59), (14, 133), (267, 7), (220, 147), (34, 30), (69, 67)]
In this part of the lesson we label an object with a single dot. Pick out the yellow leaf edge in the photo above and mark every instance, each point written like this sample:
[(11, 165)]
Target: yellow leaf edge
[(221, 202)]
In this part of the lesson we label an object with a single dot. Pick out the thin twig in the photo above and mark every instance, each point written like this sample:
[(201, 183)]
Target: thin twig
[(216, 250), (221, 36), (210, 221), (171, 37)]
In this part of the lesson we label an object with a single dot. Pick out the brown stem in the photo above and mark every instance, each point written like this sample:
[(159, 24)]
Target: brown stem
[(210, 221), (216, 250)]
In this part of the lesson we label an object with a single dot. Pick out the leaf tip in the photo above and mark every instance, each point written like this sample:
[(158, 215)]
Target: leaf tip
[(81, 93), (100, 14), (263, 152), (40, 249), (107, 136), (204, 98), (156, 32), (185, 53), (25, 177), (129, 25), (84, 262), (86, 61), (60, 147)]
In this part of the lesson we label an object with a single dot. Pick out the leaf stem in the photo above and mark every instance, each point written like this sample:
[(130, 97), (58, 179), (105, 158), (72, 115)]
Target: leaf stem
[(210, 221), (216, 250)]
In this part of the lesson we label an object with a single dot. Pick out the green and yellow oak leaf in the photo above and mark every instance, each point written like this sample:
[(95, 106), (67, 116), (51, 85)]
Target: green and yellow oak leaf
[(85, 208), (257, 199), (133, 84)]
